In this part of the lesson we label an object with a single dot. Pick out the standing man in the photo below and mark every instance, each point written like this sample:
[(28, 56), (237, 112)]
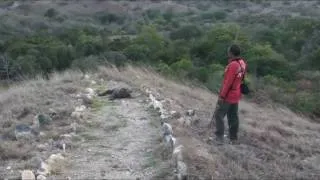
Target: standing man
[(229, 96)]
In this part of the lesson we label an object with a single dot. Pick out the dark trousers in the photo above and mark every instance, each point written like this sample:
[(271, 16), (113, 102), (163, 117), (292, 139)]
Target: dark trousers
[(231, 110)]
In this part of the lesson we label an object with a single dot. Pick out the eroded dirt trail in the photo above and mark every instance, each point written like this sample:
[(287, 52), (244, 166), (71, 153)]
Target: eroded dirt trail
[(119, 144)]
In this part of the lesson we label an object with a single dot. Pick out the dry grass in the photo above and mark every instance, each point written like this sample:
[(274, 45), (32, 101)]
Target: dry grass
[(274, 142), (15, 150), (20, 103)]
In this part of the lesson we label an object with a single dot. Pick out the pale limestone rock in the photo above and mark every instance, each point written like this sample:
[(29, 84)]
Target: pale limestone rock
[(86, 77), (41, 177), (80, 108), (175, 114), (44, 169), (56, 162), (166, 129), (27, 175), (89, 91), (191, 112)]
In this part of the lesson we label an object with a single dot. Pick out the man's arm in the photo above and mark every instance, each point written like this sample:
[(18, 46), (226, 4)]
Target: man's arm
[(229, 78)]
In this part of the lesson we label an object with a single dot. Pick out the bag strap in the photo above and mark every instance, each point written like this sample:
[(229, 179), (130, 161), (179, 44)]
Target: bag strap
[(242, 69), (236, 77)]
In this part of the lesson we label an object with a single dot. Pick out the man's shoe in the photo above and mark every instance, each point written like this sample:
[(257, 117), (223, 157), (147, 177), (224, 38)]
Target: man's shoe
[(234, 142), (219, 141)]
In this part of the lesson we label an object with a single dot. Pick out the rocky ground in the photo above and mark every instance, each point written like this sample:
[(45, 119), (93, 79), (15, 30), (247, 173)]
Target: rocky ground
[(120, 142), (79, 127)]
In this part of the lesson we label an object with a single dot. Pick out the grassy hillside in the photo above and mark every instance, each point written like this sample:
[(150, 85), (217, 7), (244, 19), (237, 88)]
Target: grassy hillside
[(181, 39)]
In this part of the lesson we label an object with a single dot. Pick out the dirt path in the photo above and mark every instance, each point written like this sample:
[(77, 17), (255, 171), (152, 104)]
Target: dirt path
[(118, 144)]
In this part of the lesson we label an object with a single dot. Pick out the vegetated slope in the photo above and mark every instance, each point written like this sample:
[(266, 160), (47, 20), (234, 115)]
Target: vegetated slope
[(275, 143)]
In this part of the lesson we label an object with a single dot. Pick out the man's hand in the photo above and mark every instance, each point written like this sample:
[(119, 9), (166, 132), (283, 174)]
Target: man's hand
[(220, 99)]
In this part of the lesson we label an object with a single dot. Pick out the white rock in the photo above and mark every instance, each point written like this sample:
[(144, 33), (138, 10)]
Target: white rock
[(148, 91), (89, 91), (42, 147), (175, 114), (35, 122), (93, 82), (86, 76), (173, 141), (76, 115), (74, 126), (54, 158), (187, 122), (167, 129), (182, 169), (164, 117), (9, 167), (167, 138), (55, 161), (178, 149), (41, 177), (177, 155), (27, 175), (44, 169), (87, 98), (191, 112), (80, 108), (64, 147), (157, 105), (181, 120)]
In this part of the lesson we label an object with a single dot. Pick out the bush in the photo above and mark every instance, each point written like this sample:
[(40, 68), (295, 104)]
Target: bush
[(115, 57), (107, 18), (87, 63), (51, 13), (214, 81), (164, 69), (186, 32), (219, 15), (137, 52), (200, 73), (152, 13), (168, 15), (208, 16), (182, 67)]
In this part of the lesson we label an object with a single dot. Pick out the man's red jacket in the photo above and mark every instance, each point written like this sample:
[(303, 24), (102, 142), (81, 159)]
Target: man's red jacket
[(230, 90)]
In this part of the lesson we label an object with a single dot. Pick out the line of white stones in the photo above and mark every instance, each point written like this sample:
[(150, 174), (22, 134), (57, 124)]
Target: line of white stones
[(169, 139)]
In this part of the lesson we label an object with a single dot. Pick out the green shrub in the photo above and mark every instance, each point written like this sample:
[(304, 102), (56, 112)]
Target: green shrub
[(186, 32), (152, 13), (215, 68), (182, 67), (86, 64), (51, 13), (200, 73), (107, 18), (164, 69), (208, 16), (168, 15), (137, 52), (219, 15), (214, 81), (115, 57)]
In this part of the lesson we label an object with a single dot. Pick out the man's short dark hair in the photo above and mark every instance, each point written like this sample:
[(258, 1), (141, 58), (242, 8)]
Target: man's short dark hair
[(235, 49)]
